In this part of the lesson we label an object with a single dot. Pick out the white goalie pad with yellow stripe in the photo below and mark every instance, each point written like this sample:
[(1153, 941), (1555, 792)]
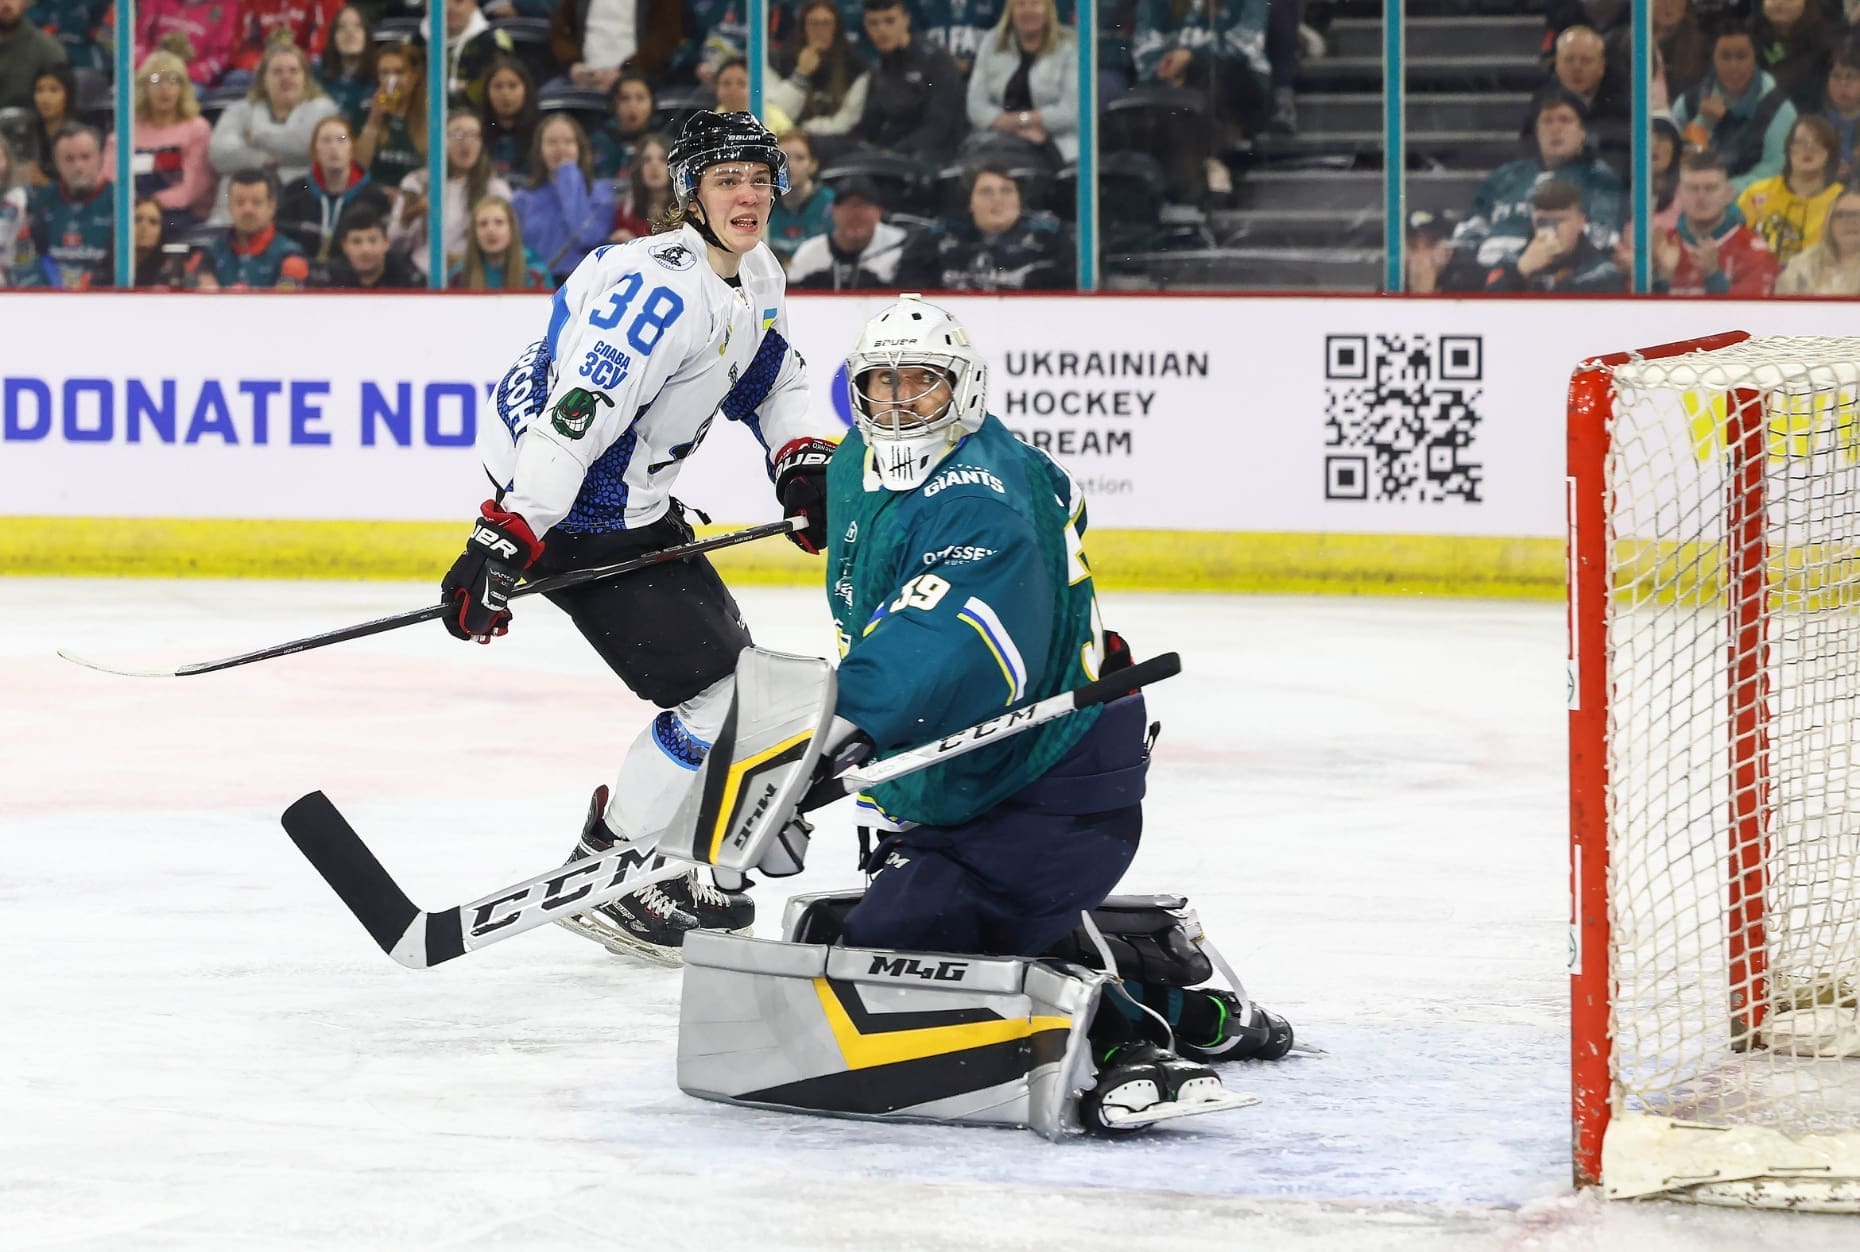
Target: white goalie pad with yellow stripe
[(761, 764), (858, 1032)]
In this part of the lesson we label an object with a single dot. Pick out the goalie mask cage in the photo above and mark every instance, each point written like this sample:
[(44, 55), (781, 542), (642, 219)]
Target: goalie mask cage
[(1714, 751)]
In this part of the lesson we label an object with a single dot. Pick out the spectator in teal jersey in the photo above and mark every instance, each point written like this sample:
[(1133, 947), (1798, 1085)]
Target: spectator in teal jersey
[(73, 227), (1217, 50), (565, 211), (716, 31), (1737, 111), (1560, 256), (1843, 108), (613, 143), (362, 260), (252, 254), (347, 70), (79, 27), (495, 258), (24, 51), (392, 142), (1498, 225), (806, 208), (509, 115), (957, 26)]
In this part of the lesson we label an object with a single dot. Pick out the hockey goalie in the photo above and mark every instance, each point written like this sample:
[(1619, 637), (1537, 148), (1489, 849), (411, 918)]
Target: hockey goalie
[(984, 974)]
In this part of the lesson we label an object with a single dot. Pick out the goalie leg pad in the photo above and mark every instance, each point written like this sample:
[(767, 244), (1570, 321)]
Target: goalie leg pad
[(897, 1036), (737, 808)]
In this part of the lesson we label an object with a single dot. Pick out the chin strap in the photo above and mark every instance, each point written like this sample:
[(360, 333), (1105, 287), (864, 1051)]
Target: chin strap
[(694, 215)]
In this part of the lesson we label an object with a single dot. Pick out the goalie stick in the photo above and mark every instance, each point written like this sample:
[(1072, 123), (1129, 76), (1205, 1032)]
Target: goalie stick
[(420, 940), (380, 625)]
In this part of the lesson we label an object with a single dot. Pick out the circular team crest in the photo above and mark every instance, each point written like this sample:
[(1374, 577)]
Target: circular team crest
[(674, 256)]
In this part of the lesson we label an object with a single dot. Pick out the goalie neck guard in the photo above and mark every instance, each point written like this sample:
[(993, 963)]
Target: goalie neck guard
[(905, 446)]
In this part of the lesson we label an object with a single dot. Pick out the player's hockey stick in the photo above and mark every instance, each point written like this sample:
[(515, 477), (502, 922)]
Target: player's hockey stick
[(419, 939), (556, 582)]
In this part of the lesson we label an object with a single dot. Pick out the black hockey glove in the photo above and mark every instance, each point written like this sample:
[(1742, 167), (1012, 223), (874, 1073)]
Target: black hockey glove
[(801, 486), (501, 547)]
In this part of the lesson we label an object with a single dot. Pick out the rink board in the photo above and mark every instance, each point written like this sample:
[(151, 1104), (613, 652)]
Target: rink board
[(1351, 444)]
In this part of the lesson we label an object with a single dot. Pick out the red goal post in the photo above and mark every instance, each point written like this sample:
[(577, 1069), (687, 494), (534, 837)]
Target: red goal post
[(1713, 499)]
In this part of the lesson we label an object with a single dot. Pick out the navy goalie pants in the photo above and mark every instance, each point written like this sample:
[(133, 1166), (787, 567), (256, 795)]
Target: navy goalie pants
[(1013, 881)]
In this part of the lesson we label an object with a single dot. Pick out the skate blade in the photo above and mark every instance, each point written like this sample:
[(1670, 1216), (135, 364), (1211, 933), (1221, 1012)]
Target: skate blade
[(620, 943), (1170, 1110)]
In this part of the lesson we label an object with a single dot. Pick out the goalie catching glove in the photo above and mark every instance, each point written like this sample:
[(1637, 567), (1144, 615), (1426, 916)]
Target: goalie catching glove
[(801, 486), (501, 547)]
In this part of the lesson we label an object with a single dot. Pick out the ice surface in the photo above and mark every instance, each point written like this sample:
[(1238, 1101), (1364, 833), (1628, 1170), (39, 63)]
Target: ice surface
[(201, 1049)]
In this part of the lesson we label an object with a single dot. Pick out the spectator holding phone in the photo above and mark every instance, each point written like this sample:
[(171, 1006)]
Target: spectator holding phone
[(1560, 256), (392, 142)]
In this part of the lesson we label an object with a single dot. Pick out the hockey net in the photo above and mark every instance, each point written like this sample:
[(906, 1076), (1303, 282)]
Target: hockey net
[(1714, 496)]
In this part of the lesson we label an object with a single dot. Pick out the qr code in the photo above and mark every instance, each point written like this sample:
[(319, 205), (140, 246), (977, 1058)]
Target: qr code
[(1404, 410)]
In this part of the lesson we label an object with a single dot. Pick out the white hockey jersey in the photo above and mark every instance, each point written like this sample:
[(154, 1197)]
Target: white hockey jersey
[(645, 346)]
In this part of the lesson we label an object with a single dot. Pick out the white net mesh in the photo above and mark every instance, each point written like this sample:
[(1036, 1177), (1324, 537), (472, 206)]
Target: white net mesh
[(1734, 790)]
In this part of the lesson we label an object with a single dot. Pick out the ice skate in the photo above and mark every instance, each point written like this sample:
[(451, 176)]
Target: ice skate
[(1140, 1084), (650, 923), (1216, 1029)]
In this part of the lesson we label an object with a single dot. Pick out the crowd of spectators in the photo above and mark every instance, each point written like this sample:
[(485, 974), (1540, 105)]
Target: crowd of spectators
[(1756, 104), (283, 143)]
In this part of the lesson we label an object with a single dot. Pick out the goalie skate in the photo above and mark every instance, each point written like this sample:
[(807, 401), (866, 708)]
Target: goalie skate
[(1145, 1084)]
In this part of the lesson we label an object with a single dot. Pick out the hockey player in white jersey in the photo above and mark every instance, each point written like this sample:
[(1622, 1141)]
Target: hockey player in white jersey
[(648, 343)]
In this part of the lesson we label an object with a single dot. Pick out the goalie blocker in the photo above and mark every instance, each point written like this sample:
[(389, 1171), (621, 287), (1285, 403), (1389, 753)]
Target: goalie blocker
[(804, 1026)]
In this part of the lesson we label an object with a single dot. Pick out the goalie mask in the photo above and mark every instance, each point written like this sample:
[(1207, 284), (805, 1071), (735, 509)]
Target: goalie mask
[(917, 389)]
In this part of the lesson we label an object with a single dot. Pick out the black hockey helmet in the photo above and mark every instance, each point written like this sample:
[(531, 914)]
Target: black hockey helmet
[(711, 138)]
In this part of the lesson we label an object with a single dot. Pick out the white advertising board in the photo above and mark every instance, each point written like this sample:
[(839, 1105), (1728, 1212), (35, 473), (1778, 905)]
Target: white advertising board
[(1263, 414)]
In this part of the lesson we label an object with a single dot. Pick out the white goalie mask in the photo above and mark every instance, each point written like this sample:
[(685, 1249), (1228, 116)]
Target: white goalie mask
[(904, 442)]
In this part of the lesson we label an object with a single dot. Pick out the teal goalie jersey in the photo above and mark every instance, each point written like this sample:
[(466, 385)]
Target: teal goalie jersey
[(957, 601)]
